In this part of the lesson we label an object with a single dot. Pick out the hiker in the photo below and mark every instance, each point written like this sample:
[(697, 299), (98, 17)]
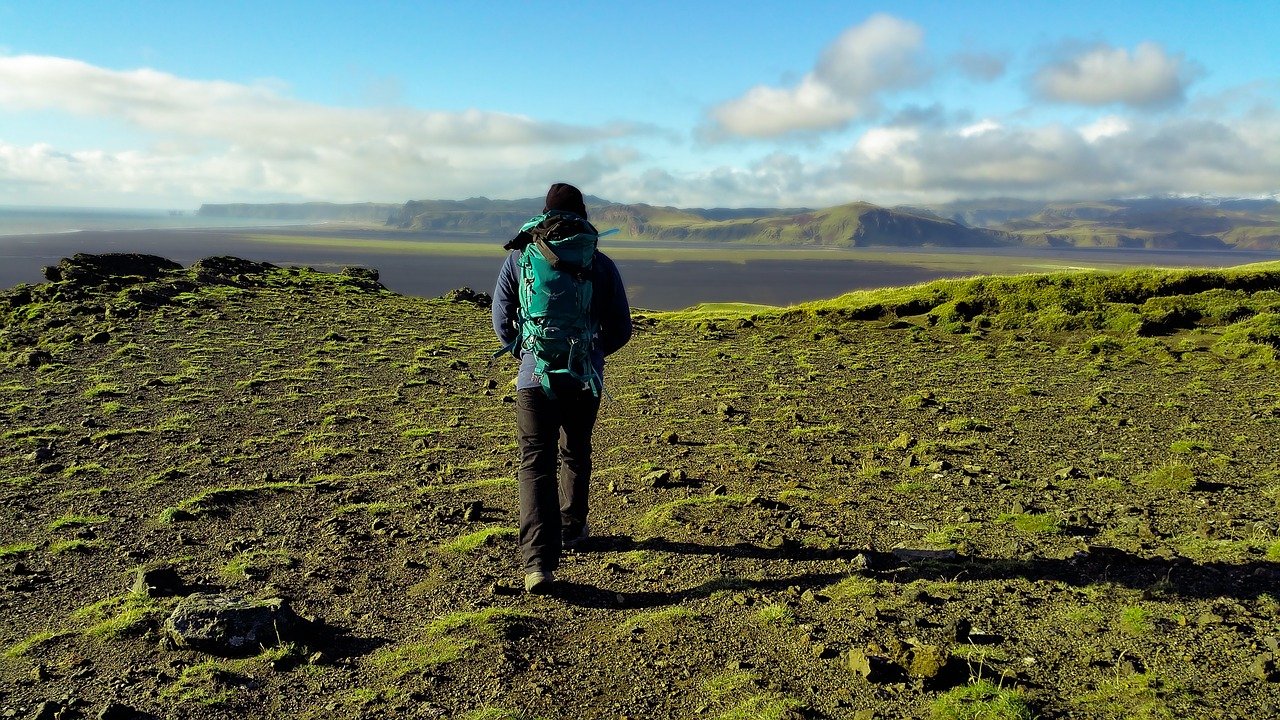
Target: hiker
[(560, 308)]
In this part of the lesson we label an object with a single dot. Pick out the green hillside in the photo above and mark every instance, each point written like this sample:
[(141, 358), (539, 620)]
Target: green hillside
[(852, 225)]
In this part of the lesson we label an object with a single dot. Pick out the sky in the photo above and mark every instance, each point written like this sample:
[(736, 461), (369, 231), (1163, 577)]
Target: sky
[(724, 104)]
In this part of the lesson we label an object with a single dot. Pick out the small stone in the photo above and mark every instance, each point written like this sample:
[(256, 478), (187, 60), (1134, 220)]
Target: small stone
[(472, 511), (904, 441), (719, 490), (158, 582), (859, 663), (1263, 668), (47, 710), (99, 338), (671, 438), (927, 662), (657, 478), (116, 711), (40, 673), (939, 466), (822, 651)]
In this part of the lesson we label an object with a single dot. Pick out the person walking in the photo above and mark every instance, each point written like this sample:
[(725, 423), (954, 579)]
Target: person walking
[(561, 347)]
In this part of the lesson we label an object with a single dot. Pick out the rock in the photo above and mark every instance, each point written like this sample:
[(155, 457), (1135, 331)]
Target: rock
[(866, 666), (671, 438), (99, 338), (467, 295), (116, 711), (939, 466), (822, 651), (926, 662), (37, 358), (226, 625), (158, 582), (225, 269), (472, 511), (904, 441), (1263, 668), (657, 478), (40, 673), (362, 272), (85, 270), (51, 468), (47, 710)]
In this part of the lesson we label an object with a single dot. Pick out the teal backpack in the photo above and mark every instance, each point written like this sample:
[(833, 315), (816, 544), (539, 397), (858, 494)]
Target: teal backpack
[(556, 252)]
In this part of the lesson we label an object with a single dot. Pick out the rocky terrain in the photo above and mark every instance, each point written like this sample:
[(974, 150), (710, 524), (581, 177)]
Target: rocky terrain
[(237, 490)]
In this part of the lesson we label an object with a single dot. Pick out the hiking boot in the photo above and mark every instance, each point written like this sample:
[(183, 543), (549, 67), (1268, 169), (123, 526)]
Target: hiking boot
[(538, 582), (570, 542)]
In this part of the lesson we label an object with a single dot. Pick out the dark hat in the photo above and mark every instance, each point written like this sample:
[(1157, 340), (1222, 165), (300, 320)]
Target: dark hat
[(563, 196)]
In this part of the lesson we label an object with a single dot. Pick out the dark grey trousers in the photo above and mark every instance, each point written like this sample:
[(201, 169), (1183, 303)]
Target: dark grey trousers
[(555, 469)]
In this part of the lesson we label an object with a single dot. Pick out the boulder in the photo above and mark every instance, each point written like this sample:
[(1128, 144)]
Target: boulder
[(85, 270), (229, 270), (467, 295), (226, 625)]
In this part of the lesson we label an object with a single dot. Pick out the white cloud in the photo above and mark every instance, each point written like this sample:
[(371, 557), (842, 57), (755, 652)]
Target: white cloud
[(1148, 77), (979, 127), (1104, 127), (220, 140), (866, 61)]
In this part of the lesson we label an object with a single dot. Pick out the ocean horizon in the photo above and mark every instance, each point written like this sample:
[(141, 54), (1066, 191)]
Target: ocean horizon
[(41, 220)]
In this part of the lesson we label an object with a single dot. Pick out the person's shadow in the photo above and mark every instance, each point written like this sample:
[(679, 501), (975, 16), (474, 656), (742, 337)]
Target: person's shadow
[(1175, 577)]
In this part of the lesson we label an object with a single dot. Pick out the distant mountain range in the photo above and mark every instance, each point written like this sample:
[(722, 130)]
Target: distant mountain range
[(1165, 223)]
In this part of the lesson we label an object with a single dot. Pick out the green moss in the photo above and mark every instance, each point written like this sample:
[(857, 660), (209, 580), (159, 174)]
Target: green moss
[(650, 620), (15, 549), (678, 510), (469, 542), (26, 645), (1032, 523), (74, 521), (776, 614), (981, 700), (1176, 478)]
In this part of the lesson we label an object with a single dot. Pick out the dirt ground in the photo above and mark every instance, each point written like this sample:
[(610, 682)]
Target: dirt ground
[(792, 516)]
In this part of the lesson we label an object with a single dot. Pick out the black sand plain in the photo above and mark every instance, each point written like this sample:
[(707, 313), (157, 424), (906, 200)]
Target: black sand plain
[(654, 284)]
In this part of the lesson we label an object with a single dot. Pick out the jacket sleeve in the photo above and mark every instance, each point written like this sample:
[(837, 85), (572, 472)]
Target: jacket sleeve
[(614, 311), (506, 302)]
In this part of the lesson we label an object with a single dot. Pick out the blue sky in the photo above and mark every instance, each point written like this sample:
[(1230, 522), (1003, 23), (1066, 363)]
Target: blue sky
[(730, 104)]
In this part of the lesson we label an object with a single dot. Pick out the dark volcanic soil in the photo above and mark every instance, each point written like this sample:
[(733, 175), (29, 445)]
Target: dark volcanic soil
[(781, 507)]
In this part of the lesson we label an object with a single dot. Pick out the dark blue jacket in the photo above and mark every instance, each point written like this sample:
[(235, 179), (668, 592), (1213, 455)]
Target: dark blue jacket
[(609, 308)]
